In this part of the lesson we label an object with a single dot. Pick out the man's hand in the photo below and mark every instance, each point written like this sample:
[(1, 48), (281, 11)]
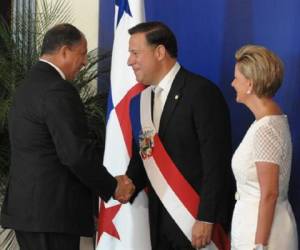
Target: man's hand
[(201, 234), (125, 188)]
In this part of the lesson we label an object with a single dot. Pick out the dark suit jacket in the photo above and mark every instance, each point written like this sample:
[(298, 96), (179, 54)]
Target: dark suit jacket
[(195, 131), (54, 166)]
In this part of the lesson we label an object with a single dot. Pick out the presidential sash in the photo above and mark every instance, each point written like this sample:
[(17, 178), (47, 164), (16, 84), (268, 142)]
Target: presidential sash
[(176, 194)]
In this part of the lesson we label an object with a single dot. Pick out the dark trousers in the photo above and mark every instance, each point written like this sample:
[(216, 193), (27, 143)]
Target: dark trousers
[(165, 244), (47, 241)]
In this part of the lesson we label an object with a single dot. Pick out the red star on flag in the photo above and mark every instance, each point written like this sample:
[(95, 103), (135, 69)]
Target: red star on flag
[(105, 223)]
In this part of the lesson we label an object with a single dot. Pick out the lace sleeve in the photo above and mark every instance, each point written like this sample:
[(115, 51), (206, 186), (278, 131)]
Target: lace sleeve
[(267, 145)]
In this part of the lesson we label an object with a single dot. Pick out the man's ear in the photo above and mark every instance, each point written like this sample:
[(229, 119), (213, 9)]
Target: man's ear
[(160, 52), (63, 51)]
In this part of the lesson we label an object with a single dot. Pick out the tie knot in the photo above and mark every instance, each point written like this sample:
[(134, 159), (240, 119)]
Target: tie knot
[(158, 90)]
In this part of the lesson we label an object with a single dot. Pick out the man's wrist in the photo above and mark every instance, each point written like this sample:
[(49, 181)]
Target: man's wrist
[(206, 222), (260, 247)]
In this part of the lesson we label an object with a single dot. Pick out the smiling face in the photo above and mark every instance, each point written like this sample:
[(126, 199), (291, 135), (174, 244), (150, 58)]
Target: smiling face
[(242, 85), (143, 59), (75, 59)]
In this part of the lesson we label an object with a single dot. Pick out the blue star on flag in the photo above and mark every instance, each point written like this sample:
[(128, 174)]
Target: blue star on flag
[(123, 7)]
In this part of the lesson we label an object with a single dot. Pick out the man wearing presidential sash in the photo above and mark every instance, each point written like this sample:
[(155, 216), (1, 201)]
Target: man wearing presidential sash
[(182, 145)]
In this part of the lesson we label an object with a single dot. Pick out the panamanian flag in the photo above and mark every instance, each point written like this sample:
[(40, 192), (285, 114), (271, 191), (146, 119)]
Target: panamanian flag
[(120, 226)]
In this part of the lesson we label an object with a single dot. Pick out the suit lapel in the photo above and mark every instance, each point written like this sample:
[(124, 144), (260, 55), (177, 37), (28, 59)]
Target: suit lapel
[(171, 102)]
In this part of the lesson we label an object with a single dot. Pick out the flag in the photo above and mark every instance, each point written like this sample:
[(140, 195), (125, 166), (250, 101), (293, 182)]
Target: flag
[(120, 226)]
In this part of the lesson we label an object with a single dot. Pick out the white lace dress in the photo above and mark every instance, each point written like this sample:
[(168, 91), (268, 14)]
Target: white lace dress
[(267, 140)]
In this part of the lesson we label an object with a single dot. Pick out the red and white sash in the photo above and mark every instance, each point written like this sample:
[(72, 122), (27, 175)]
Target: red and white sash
[(176, 194)]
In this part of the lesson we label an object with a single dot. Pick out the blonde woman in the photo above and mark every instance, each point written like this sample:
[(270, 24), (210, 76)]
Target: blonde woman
[(263, 217)]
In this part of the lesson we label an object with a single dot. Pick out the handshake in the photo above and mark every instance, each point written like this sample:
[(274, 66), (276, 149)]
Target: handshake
[(125, 188)]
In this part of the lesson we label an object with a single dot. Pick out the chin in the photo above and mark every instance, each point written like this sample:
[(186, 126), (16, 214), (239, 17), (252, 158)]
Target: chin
[(240, 101), (139, 78), (237, 99)]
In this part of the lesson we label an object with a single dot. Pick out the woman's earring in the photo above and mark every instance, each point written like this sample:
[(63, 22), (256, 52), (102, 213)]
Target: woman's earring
[(248, 92)]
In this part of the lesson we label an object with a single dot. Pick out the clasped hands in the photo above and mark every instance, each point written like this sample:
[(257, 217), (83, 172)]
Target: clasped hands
[(125, 188)]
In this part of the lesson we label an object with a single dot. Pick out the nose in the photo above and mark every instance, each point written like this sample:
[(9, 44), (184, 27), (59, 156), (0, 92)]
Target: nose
[(130, 60), (232, 83)]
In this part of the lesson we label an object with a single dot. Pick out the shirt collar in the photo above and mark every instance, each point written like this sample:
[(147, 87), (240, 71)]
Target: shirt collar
[(166, 83), (55, 67)]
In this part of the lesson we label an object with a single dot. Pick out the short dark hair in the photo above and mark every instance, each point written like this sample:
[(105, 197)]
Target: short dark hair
[(157, 33), (60, 35)]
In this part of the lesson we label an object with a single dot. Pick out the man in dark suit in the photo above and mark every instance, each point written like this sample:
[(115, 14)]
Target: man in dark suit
[(193, 126), (56, 171)]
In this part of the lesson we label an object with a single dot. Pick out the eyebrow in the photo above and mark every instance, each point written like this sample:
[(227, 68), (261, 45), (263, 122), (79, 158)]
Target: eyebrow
[(134, 49)]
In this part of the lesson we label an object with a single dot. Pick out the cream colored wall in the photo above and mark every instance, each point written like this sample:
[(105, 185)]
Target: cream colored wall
[(85, 14), (86, 18)]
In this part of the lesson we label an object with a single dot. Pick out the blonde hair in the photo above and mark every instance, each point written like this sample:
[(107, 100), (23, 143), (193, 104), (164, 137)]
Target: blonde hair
[(263, 67)]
